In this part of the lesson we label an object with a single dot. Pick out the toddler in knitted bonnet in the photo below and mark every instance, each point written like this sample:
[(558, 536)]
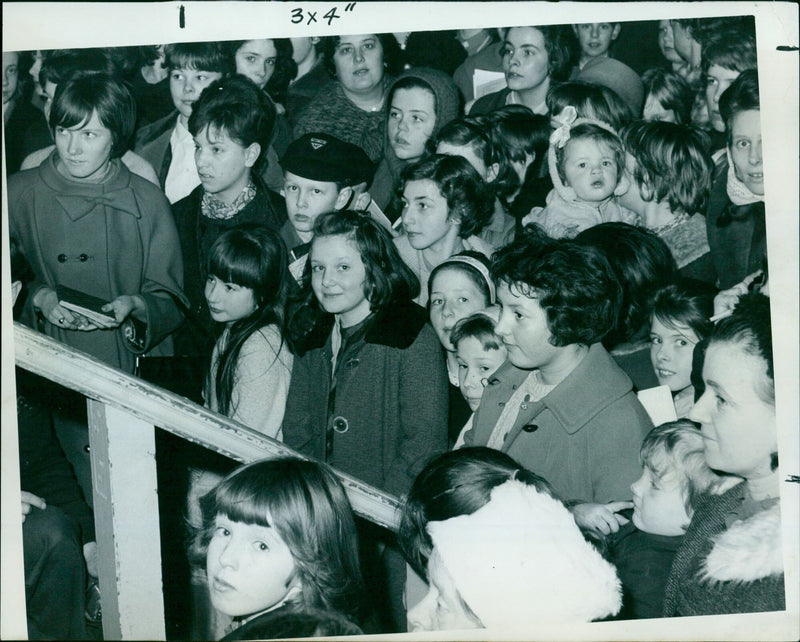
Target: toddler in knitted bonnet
[(587, 166)]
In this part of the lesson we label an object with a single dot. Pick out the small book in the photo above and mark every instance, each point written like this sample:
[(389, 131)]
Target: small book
[(84, 304)]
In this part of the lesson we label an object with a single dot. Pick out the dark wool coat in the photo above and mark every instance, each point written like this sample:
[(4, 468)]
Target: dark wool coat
[(727, 569), (738, 243), (583, 437), (106, 239), (389, 415), (197, 234)]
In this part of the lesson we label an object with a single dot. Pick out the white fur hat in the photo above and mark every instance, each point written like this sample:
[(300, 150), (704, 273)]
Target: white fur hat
[(520, 560)]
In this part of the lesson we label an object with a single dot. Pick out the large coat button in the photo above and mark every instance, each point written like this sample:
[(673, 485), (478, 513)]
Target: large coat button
[(62, 258), (530, 428), (340, 424)]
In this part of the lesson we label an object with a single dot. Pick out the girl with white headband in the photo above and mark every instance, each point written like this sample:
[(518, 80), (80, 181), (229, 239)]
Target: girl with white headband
[(458, 287), (587, 165)]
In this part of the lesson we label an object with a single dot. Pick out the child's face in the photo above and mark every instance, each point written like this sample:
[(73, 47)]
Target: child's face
[(671, 350), (658, 506), (223, 164), (523, 328), (85, 149), (718, 79), (228, 302), (526, 62), (250, 568), (454, 296), (442, 608), (339, 277), (475, 365), (590, 169), (256, 60), (10, 75), (307, 199), (186, 84), (666, 42), (412, 116), (655, 111), (595, 38), (426, 217), (745, 148)]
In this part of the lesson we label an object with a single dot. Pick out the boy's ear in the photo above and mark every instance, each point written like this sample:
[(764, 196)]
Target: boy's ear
[(251, 154), (615, 31), (492, 171), (343, 198)]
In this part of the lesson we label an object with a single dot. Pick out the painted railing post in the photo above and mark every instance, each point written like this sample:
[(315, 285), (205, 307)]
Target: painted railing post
[(126, 518)]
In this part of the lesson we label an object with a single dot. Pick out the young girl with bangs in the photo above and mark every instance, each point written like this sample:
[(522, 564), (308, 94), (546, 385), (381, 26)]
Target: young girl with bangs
[(278, 536)]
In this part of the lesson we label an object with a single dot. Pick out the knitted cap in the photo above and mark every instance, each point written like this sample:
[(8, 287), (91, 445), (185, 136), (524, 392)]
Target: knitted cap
[(520, 560), (444, 89), (322, 157)]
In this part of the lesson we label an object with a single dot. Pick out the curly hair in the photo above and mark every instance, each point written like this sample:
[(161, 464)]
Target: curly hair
[(455, 483), (575, 284), (306, 504), (673, 163), (641, 262), (469, 198)]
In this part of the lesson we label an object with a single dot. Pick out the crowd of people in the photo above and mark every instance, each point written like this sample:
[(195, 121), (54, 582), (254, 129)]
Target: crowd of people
[(458, 266)]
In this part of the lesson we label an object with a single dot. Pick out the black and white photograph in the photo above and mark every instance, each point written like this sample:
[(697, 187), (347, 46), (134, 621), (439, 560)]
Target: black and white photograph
[(438, 320)]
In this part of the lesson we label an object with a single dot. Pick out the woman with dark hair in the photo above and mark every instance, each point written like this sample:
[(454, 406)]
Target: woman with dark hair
[(560, 397), (533, 57), (419, 103), (84, 221), (351, 107), (445, 207), (735, 217), (641, 263), (730, 560), (590, 101), (476, 522)]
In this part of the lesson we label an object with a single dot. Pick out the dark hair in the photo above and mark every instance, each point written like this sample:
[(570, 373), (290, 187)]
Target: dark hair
[(473, 131), (285, 623), (237, 106), (672, 163), (388, 278), (642, 263), (574, 283), (750, 327), (597, 134), (306, 504), (79, 97), (285, 67), (469, 198), (558, 54), (471, 272), (590, 101), (252, 256), (742, 95), (411, 82), (204, 56), (455, 483), (689, 303), (392, 54), (477, 326), (58, 68), (731, 48), (671, 91), (518, 131)]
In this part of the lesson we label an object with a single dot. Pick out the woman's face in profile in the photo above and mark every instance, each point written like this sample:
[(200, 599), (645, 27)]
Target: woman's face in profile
[(737, 422)]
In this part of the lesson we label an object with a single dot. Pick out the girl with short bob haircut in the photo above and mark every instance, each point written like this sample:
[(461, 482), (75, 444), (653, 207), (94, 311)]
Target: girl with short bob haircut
[(446, 205), (302, 506), (591, 101)]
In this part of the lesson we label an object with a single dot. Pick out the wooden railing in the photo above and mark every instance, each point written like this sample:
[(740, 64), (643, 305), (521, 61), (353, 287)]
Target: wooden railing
[(123, 411)]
